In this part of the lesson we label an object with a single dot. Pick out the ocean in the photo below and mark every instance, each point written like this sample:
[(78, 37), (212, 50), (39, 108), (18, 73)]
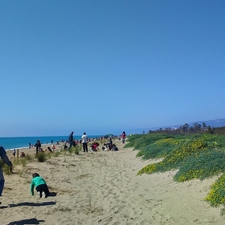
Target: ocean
[(10, 143)]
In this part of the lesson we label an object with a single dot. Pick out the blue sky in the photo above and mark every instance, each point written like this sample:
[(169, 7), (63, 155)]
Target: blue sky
[(108, 66)]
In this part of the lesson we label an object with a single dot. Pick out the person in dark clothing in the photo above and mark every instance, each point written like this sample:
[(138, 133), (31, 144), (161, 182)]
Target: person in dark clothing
[(38, 146), (110, 144), (70, 140), (6, 160)]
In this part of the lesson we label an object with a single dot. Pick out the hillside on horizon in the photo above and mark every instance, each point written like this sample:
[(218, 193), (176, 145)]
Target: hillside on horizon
[(212, 123)]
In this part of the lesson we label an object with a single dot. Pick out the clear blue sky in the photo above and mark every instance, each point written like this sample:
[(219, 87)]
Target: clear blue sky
[(107, 66)]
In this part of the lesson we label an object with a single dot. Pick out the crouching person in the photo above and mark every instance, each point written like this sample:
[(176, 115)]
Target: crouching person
[(41, 187)]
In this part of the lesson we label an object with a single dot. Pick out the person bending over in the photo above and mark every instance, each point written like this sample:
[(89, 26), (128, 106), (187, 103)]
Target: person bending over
[(41, 187)]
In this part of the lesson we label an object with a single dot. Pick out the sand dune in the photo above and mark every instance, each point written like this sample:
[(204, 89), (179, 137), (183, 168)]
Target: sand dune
[(103, 188)]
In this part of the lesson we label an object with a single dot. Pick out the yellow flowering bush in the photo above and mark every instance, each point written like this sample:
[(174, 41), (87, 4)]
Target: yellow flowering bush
[(201, 165), (175, 158), (216, 196), (159, 148), (196, 156), (148, 169)]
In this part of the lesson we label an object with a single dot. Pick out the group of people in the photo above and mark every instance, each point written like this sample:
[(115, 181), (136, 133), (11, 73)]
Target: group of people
[(84, 141), (37, 181), (40, 149), (94, 146)]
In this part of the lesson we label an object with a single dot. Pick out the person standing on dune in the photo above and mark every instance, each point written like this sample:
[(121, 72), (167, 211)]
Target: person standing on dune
[(84, 139), (70, 140), (123, 136), (38, 146)]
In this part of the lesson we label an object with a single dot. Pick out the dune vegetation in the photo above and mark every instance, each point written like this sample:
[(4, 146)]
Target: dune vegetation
[(193, 156)]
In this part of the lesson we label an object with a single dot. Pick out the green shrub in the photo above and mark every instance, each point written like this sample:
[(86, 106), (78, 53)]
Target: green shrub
[(56, 154), (175, 158), (29, 157), (41, 157), (160, 148), (77, 149), (5, 168), (202, 165), (23, 161), (140, 154), (140, 141)]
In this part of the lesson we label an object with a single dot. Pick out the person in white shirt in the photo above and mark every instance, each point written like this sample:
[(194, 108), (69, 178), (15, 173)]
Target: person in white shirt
[(84, 139)]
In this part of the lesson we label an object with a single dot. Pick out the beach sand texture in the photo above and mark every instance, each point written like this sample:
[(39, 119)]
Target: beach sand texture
[(103, 188)]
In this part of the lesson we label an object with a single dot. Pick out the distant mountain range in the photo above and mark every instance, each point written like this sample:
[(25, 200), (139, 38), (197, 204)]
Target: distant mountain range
[(211, 123)]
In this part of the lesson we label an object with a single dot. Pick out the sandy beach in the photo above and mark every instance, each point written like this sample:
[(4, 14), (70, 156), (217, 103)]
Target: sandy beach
[(103, 188)]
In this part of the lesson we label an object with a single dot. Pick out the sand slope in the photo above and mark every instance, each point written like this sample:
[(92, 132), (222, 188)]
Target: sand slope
[(103, 188)]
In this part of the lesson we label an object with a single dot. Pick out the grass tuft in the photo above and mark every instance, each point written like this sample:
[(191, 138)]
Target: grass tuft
[(41, 157)]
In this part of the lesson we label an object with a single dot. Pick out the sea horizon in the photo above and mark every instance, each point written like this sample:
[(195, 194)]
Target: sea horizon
[(10, 143)]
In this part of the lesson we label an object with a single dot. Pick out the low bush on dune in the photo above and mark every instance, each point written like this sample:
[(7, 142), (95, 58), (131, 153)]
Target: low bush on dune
[(41, 157), (195, 156), (15, 161), (132, 139), (56, 154), (141, 141), (5, 168), (202, 165), (75, 149), (216, 196), (176, 157), (159, 148), (29, 157)]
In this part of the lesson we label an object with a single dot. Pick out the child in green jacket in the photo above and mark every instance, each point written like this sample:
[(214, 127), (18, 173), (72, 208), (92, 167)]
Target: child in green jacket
[(41, 187)]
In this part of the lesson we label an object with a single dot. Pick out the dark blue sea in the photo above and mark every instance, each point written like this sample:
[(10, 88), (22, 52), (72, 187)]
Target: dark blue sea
[(23, 142)]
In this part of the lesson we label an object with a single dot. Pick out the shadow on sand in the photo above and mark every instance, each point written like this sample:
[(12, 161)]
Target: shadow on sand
[(32, 220), (27, 221), (52, 194), (32, 204)]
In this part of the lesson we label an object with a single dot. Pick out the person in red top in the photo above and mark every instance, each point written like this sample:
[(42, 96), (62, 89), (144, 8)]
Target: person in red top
[(95, 147), (123, 136)]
